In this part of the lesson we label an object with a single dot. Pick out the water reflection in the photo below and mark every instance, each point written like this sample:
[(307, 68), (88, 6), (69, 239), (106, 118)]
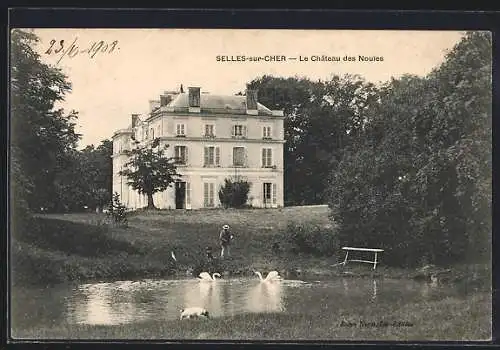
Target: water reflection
[(135, 301), (107, 303), (205, 294), (265, 297)]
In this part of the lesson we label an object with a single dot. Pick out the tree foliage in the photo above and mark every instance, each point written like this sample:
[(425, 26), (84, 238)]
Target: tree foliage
[(320, 119), (417, 181), (43, 137), (234, 193), (149, 170), (97, 167)]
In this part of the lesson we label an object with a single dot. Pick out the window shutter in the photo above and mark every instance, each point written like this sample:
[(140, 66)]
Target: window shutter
[(270, 150), (262, 194), (274, 193), (212, 195), (206, 156), (217, 156), (234, 155), (263, 157), (188, 194), (185, 154), (205, 194), (245, 130), (233, 130)]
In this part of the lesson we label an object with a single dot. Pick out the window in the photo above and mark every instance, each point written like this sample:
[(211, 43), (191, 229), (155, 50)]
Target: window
[(238, 156), (266, 132), (208, 194), (267, 192), (239, 131), (267, 159), (212, 156), (209, 130), (152, 133), (180, 130), (180, 154)]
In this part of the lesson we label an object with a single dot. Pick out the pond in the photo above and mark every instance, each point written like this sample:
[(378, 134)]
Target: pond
[(134, 302)]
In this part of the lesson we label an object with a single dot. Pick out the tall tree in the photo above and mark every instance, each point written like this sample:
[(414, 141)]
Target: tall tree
[(42, 136), (320, 119), (96, 167), (150, 170), (418, 179)]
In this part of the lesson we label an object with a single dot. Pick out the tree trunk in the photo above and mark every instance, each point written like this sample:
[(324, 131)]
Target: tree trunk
[(151, 204)]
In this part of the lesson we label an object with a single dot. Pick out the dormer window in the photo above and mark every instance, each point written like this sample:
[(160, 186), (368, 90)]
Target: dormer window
[(180, 130)]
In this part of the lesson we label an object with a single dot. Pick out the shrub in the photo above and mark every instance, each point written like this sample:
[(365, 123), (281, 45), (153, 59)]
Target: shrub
[(311, 239), (118, 211), (234, 194)]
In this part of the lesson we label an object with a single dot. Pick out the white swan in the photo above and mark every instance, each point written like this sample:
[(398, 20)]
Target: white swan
[(205, 276), (271, 276)]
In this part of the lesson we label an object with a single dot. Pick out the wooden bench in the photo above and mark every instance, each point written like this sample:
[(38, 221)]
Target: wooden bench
[(374, 262)]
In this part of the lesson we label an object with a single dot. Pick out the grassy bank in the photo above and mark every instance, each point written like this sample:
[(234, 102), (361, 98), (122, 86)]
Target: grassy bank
[(54, 248), (446, 319), (69, 247)]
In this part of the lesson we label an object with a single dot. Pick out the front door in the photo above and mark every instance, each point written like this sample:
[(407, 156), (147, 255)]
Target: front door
[(180, 195)]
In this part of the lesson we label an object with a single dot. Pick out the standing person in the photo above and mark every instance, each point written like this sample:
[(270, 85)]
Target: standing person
[(225, 238)]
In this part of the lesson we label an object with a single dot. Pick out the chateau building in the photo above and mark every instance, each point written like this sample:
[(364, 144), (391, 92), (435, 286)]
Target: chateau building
[(214, 137)]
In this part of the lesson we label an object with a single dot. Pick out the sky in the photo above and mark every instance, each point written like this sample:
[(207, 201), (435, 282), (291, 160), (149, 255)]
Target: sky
[(133, 66)]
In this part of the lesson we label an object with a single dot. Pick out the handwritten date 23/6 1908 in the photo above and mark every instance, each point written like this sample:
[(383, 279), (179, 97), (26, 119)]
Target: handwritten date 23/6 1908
[(60, 47)]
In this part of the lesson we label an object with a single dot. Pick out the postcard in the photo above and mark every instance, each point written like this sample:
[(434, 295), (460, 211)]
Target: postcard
[(244, 184)]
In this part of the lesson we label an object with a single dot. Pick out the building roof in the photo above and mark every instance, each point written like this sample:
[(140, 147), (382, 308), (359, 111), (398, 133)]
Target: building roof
[(217, 104)]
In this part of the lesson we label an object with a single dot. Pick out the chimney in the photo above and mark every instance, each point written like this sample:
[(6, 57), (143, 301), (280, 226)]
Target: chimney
[(165, 99), (194, 99), (135, 118), (251, 101)]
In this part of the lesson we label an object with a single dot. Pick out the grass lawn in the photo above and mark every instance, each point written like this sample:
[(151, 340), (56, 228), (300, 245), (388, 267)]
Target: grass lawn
[(79, 246), (68, 247)]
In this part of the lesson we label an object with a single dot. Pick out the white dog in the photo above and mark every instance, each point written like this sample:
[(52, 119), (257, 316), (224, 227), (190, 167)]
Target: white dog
[(194, 312)]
